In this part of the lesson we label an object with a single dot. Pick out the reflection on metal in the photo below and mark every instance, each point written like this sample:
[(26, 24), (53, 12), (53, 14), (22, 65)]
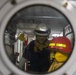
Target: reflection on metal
[(44, 17)]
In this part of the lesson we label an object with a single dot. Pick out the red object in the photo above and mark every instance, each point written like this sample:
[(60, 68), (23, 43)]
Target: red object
[(63, 44), (26, 41)]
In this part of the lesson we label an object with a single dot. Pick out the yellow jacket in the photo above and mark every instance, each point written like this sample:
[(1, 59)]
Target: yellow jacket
[(55, 65)]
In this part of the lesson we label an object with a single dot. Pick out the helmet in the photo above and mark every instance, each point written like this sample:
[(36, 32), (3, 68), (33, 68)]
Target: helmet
[(61, 44), (42, 30)]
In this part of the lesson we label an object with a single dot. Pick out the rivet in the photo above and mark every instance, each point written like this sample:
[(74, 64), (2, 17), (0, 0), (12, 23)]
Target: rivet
[(64, 74), (13, 2), (65, 4)]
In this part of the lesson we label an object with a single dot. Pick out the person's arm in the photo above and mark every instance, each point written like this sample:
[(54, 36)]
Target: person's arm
[(24, 57)]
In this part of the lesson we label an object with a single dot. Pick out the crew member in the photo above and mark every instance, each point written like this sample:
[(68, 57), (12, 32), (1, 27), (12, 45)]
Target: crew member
[(37, 52), (61, 49)]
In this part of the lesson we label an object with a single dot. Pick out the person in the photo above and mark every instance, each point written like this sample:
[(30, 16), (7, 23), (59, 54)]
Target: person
[(61, 48), (37, 52)]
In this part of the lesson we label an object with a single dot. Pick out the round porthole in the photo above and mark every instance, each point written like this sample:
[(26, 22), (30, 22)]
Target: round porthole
[(17, 31)]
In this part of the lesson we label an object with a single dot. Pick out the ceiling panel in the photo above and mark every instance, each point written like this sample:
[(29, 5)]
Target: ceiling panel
[(27, 17)]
